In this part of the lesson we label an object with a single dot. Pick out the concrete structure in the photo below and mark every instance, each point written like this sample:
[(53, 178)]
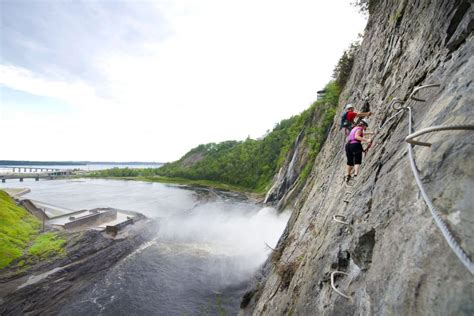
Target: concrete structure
[(34, 210), (114, 229), (320, 94), (99, 219), (109, 219), (124, 218), (92, 218), (16, 192)]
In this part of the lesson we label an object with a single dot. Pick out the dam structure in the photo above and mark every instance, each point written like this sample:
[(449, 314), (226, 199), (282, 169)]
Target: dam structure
[(107, 219)]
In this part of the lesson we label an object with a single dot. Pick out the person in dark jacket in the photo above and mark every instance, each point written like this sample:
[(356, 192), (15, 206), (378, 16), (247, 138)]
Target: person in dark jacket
[(349, 116)]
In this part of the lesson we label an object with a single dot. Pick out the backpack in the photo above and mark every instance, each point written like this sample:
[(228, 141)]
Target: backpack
[(344, 122)]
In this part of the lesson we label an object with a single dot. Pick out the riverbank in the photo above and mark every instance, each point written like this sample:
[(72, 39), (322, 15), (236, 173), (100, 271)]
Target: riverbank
[(208, 245), (46, 286), (44, 267), (16, 192), (254, 196)]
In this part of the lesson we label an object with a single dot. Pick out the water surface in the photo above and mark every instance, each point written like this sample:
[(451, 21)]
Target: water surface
[(199, 262)]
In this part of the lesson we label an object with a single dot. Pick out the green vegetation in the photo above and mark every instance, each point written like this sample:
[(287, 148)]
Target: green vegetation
[(183, 181), (246, 165), (18, 230), (46, 245), (365, 6), (124, 173), (397, 16), (342, 71)]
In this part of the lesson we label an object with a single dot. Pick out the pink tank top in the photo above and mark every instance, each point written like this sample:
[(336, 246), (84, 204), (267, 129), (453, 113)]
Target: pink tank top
[(351, 138)]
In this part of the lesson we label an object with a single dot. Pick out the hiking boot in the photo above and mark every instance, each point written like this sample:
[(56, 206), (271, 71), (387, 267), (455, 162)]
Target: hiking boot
[(348, 178)]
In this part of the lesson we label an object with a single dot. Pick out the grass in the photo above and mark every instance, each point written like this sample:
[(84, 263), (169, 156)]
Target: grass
[(20, 235), (17, 229), (46, 245)]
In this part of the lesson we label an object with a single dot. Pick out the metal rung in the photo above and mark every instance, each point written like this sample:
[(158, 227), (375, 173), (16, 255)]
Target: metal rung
[(410, 138), (340, 219), (334, 287), (412, 95), (394, 103)]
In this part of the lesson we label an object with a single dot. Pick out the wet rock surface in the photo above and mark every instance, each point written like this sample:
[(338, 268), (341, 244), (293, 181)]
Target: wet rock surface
[(288, 174), (396, 259), (46, 287)]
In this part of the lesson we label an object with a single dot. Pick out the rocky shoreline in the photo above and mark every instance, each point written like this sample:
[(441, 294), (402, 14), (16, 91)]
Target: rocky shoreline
[(210, 194), (45, 287), (221, 189)]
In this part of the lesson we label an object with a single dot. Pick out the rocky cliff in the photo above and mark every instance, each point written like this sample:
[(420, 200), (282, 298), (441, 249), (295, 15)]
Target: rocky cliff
[(48, 286), (393, 258)]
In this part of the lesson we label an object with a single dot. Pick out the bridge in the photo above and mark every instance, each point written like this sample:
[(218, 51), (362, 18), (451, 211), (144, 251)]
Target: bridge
[(41, 173), (33, 169)]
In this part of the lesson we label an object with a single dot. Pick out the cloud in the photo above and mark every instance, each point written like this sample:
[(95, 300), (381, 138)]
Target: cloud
[(24, 80), (165, 76), (60, 39)]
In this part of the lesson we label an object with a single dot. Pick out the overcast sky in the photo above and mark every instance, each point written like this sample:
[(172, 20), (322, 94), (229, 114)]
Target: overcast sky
[(116, 80)]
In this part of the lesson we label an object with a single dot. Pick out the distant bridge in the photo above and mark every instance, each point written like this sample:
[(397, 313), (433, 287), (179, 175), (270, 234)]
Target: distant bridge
[(34, 169), (45, 173)]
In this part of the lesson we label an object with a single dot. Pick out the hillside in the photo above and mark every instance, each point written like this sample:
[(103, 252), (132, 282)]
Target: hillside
[(250, 164), (385, 251)]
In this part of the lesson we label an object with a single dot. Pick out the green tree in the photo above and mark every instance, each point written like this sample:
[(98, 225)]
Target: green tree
[(342, 71)]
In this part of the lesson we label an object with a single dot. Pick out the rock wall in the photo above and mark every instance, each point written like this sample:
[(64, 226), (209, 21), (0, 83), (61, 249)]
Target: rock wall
[(289, 173), (396, 259)]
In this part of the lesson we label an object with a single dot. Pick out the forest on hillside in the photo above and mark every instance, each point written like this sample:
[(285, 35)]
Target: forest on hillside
[(252, 163)]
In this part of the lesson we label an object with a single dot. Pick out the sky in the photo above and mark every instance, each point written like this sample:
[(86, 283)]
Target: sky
[(141, 80)]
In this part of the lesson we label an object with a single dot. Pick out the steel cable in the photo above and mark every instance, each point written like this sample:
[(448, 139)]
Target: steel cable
[(466, 261)]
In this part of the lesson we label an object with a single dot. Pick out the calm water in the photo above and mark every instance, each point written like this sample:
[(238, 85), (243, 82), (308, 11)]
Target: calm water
[(199, 261)]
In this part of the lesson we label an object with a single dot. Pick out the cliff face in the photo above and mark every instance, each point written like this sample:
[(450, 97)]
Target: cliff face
[(396, 259)]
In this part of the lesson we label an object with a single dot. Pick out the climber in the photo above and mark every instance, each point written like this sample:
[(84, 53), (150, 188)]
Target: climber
[(354, 148), (348, 117)]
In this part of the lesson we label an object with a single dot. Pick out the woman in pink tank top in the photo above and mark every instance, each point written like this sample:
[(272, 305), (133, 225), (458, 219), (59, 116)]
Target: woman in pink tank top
[(354, 148)]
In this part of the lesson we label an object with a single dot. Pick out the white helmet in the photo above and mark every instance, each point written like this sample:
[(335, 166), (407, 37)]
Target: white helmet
[(364, 121), (349, 106)]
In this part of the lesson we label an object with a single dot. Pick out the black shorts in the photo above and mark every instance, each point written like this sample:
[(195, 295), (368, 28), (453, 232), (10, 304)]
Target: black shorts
[(354, 154)]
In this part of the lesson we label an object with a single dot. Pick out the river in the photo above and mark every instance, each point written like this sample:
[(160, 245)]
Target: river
[(199, 262)]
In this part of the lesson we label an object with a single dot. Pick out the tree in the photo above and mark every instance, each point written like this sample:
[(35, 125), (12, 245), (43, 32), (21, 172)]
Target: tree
[(342, 71)]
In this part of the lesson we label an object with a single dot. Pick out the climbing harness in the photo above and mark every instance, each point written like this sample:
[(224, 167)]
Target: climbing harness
[(334, 286), (453, 244), (367, 148)]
